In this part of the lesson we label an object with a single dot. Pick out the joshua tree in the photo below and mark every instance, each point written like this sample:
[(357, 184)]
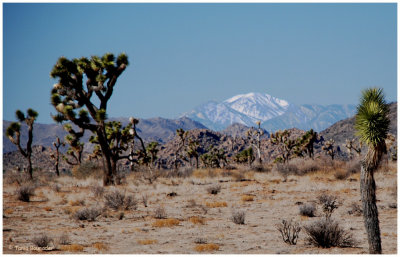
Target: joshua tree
[(57, 144), (214, 157), (285, 144), (152, 150), (245, 156), (351, 145), (372, 125), (13, 133), (78, 81), (193, 151), (118, 140), (75, 150), (182, 138), (306, 142), (329, 148), (254, 136)]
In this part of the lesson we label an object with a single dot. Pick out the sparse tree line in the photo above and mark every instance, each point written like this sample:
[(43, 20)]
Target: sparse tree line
[(82, 82)]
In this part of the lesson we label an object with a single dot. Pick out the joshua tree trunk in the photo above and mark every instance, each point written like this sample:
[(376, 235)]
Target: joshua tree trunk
[(370, 210)]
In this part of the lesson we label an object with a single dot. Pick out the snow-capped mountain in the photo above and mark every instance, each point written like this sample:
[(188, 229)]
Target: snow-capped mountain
[(272, 112)]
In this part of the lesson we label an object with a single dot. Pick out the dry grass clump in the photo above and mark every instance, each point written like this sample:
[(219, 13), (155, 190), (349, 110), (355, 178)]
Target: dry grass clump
[(355, 209), (25, 192), (197, 220), (117, 200), (72, 248), (100, 246), (165, 223), (89, 214), (216, 204), (87, 169), (327, 233), (147, 241), (79, 202), (353, 167), (214, 189), (238, 217), (9, 211), (206, 247), (42, 241), (307, 209), (286, 169), (289, 231), (97, 190), (64, 239), (341, 174), (305, 166), (47, 208), (247, 198)]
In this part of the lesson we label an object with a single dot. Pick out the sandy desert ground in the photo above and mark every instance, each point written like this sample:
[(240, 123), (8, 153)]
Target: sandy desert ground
[(196, 221)]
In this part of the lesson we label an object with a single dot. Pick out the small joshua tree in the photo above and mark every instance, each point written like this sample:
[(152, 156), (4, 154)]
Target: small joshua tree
[(245, 156), (118, 139), (306, 143), (285, 144), (254, 136), (351, 145), (57, 144), (214, 158), (329, 148), (372, 126), (193, 151), (75, 150), (152, 150), (78, 81), (13, 133), (182, 135)]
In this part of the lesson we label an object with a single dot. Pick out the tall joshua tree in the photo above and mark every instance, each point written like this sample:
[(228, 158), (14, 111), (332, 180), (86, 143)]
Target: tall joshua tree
[(254, 136), (78, 81), (13, 133), (56, 157), (306, 142), (372, 125)]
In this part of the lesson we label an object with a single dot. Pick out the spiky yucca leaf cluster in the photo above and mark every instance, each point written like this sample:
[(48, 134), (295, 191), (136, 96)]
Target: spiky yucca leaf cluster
[(372, 122)]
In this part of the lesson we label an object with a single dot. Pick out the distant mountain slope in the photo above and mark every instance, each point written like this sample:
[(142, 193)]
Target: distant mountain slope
[(344, 129), (155, 129), (274, 113)]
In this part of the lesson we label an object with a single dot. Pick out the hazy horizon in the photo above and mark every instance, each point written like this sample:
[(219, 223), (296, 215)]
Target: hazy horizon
[(183, 55)]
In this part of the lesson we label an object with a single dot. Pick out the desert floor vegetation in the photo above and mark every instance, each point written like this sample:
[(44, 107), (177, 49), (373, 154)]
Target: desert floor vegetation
[(195, 214)]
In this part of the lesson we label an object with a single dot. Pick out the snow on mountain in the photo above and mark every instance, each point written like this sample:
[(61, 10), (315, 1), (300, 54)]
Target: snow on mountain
[(274, 113)]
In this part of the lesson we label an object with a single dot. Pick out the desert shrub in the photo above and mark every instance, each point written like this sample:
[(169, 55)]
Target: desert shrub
[(307, 209), (355, 209), (56, 188), (78, 202), (341, 174), (216, 204), (160, 213), (238, 217), (247, 198), (97, 190), (18, 178), (89, 214), (289, 231), (64, 239), (87, 169), (145, 198), (261, 168), (42, 241), (305, 166), (200, 240), (353, 167), (72, 248), (214, 189), (197, 220), (25, 192), (286, 169), (327, 233), (329, 204), (117, 200)]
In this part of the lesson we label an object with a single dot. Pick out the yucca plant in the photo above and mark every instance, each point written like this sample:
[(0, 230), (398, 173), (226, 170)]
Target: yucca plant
[(13, 133), (372, 125)]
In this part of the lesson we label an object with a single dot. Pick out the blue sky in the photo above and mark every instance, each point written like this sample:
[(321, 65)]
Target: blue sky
[(182, 55)]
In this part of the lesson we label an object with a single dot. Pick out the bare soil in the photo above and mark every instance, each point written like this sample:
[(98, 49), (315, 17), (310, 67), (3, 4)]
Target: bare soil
[(193, 214)]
